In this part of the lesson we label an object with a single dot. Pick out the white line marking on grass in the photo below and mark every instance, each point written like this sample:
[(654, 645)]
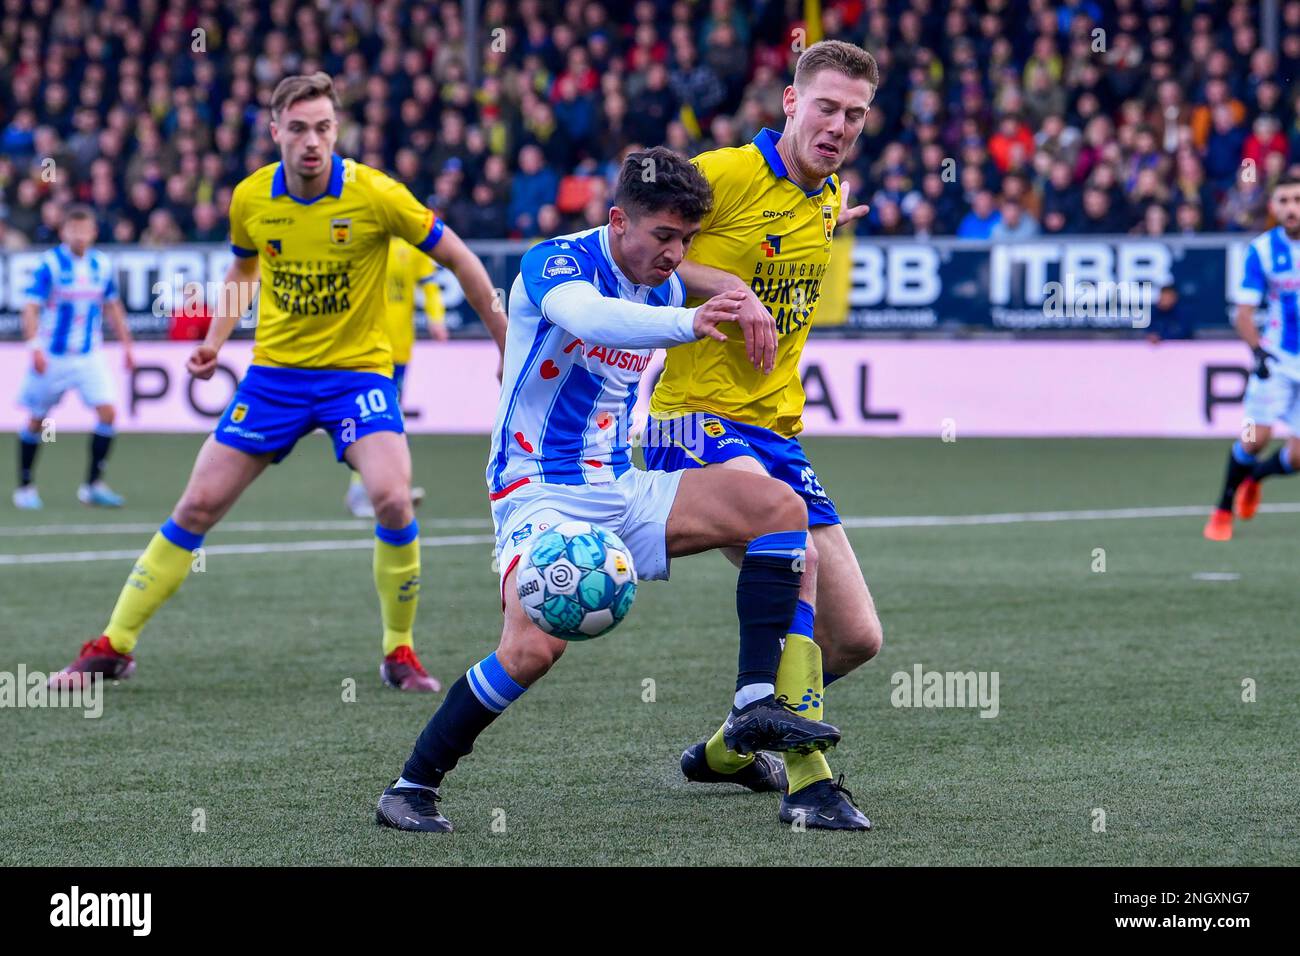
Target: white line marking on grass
[(1031, 517), (140, 527), (270, 547), (1216, 576)]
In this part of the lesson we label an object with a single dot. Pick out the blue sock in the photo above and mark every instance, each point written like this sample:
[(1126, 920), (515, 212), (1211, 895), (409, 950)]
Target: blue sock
[(767, 595), (29, 443), (473, 702), (1279, 464)]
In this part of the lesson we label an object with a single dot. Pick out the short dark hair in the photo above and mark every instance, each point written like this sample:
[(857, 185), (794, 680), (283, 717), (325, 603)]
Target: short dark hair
[(654, 180), (295, 89), (847, 58), (78, 211), (1291, 178)]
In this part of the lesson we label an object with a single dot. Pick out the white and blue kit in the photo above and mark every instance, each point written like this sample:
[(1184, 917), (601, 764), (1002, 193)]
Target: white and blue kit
[(1271, 280), (71, 292), (580, 333)]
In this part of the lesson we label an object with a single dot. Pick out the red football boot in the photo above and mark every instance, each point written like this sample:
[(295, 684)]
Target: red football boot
[(402, 670), (96, 657)]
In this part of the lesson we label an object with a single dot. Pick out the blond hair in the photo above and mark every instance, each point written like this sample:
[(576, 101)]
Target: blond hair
[(295, 89), (846, 58)]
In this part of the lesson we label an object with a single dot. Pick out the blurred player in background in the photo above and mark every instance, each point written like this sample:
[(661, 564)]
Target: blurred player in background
[(314, 229), (72, 291), (1271, 275), (778, 201), (586, 312), (409, 270)]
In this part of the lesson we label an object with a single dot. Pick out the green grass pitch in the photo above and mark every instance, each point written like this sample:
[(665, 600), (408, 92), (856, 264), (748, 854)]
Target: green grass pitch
[(1120, 691)]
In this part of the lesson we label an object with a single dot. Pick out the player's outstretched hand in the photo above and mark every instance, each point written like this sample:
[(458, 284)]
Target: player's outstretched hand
[(723, 307), (849, 213), (202, 361)]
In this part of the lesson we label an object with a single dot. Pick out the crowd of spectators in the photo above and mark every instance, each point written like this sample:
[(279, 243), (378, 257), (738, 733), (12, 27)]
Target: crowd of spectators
[(994, 119)]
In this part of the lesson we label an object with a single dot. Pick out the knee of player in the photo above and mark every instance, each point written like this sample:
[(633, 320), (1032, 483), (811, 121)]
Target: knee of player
[(107, 414), (780, 509), (528, 654), (863, 639), (393, 507), (197, 512)]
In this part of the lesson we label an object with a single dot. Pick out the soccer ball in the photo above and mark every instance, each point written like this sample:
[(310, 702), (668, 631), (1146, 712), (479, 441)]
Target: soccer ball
[(577, 581)]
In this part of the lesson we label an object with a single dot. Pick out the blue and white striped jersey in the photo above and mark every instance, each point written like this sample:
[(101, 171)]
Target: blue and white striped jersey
[(71, 292), (572, 366), (1271, 275)]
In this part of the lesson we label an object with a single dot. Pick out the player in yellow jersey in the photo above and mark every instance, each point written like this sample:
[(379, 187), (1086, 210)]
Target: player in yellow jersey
[(314, 230), (408, 270), (739, 404)]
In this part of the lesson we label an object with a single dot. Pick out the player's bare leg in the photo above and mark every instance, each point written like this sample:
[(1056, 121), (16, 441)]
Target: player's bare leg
[(220, 475), (383, 460), (95, 491), (524, 655), (1242, 462)]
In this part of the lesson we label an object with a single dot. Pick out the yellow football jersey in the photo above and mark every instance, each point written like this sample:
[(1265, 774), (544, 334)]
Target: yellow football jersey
[(323, 263), (769, 232), (408, 268)]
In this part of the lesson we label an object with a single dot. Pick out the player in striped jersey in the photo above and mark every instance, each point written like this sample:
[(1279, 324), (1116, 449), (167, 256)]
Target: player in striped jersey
[(72, 291), (586, 313), (1271, 277)]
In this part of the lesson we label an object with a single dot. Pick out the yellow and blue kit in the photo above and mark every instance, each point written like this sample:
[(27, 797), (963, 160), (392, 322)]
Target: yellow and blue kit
[(711, 404), (322, 357), (408, 269)]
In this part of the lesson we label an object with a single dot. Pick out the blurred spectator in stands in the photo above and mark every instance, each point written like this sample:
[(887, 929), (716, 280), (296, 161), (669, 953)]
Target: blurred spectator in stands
[(1265, 137), (983, 216), (1169, 319), (208, 225), (1154, 221), (1245, 205), (1099, 216), (1013, 223), (1223, 151), (24, 214), (1188, 218), (1062, 203), (531, 188), (161, 231), (923, 220)]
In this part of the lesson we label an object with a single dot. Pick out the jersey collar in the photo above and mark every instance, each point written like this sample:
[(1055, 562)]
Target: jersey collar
[(766, 141), (280, 188)]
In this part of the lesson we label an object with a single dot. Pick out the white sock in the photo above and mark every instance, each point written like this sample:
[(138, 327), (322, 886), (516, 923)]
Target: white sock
[(752, 692), (404, 784)]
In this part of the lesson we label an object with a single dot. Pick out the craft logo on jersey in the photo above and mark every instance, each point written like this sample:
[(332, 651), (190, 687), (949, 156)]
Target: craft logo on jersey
[(828, 221), (713, 428), (560, 266), (273, 248), (340, 231), (771, 246), (239, 414)]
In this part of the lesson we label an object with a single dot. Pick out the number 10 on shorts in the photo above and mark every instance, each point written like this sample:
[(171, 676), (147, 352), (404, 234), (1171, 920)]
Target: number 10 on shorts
[(372, 402)]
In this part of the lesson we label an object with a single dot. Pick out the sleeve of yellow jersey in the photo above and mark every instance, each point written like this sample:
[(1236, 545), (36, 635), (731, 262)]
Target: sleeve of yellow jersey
[(404, 215), (716, 165), (241, 244)]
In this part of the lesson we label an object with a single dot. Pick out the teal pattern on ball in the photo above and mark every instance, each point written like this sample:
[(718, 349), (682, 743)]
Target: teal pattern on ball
[(623, 602), (564, 614), (595, 590), (548, 547), (586, 551)]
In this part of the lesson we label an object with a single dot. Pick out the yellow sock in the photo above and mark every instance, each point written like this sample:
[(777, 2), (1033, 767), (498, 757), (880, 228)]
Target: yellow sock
[(723, 760), (799, 678), (397, 579), (158, 572)]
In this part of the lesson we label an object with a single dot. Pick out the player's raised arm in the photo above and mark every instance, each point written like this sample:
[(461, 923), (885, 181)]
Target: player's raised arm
[(580, 309), (237, 291)]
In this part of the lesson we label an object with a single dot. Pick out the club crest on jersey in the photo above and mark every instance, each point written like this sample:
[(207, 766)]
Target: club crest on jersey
[(771, 246), (556, 266), (340, 231), (273, 248), (828, 221), (713, 428), (522, 534), (239, 414)]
